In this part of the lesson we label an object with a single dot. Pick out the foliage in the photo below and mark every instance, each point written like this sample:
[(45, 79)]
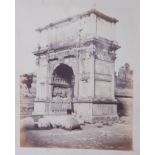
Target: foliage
[(28, 80)]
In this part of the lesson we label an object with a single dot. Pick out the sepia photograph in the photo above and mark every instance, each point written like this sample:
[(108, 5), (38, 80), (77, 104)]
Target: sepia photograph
[(76, 64)]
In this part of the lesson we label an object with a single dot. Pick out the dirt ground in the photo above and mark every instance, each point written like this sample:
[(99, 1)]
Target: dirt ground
[(90, 136)]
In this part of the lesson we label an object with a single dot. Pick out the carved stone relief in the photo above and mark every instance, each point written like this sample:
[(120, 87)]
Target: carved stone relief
[(85, 76)]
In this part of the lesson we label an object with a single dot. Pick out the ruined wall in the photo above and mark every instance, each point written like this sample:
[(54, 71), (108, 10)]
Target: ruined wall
[(124, 90)]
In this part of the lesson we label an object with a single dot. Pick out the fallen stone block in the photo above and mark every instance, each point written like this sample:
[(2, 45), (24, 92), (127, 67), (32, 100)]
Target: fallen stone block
[(43, 123), (55, 122), (70, 123), (27, 123), (65, 122), (81, 121)]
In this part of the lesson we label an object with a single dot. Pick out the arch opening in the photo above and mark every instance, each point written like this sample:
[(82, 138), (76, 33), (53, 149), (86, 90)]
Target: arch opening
[(63, 83)]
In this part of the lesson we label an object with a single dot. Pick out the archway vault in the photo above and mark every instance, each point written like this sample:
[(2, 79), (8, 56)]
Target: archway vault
[(71, 65), (63, 83)]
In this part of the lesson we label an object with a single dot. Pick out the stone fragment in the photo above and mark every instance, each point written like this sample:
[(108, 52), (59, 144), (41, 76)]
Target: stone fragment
[(70, 123), (43, 123), (27, 123)]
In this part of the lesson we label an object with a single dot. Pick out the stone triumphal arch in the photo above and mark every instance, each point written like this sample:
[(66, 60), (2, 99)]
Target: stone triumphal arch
[(75, 67)]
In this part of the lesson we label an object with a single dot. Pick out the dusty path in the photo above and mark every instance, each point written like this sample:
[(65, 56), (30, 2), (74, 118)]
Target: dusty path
[(117, 136)]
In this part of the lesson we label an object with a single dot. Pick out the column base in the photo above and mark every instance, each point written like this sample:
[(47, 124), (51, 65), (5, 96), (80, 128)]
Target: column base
[(96, 112), (105, 119)]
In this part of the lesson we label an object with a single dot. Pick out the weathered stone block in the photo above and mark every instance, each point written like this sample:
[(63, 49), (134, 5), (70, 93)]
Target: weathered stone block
[(27, 123)]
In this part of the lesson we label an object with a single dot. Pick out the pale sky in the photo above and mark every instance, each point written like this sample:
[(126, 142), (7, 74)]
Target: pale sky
[(31, 14)]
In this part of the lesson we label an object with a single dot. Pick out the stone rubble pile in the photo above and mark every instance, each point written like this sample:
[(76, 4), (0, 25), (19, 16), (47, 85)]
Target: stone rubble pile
[(67, 122)]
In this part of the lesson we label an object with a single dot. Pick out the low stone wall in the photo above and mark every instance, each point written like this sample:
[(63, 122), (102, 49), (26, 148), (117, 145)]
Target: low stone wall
[(124, 106)]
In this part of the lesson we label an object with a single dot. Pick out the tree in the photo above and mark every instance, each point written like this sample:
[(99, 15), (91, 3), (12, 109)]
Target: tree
[(28, 81)]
